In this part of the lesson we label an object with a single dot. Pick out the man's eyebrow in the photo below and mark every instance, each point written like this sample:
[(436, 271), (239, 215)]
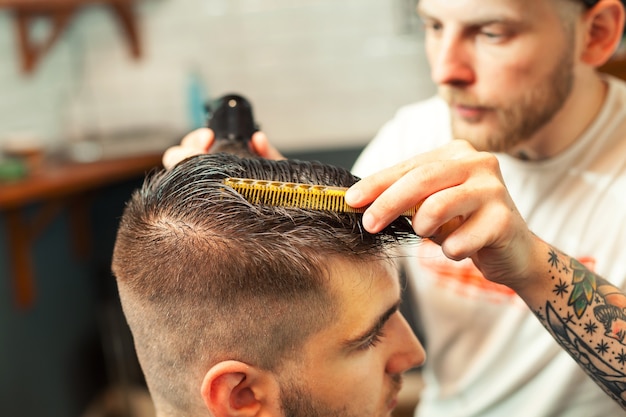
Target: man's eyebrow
[(374, 329)]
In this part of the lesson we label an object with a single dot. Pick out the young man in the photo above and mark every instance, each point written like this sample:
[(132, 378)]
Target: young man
[(538, 173), (244, 310)]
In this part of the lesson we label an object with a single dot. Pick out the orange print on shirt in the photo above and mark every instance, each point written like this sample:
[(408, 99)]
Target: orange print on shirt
[(462, 276)]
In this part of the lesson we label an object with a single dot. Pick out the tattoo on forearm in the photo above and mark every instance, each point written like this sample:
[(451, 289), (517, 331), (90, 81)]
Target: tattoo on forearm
[(587, 317)]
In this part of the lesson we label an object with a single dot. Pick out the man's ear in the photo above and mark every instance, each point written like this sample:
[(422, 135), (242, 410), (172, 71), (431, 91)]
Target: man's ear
[(235, 389), (603, 25)]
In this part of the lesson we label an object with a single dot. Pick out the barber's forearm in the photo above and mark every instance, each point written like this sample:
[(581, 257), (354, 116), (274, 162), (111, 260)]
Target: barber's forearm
[(583, 312)]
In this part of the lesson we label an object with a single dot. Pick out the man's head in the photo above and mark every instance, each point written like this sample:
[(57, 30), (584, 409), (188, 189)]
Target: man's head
[(520, 73), (234, 306)]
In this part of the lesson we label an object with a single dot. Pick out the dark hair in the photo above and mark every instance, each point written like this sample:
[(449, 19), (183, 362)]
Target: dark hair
[(590, 3), (206, 276)]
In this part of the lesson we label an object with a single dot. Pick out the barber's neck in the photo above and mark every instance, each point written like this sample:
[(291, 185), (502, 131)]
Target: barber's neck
[(577, 114)]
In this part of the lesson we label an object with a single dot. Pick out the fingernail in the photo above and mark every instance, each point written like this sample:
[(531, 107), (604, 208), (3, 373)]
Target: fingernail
[(353, 196), (369, 222)]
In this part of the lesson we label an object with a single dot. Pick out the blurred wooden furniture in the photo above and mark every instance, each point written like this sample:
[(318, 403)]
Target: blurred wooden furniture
[(59, 13), (49, 190), (616, 67)]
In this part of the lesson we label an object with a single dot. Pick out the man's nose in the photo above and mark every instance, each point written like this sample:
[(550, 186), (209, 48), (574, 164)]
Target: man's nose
[(450, 60), (408, 351)]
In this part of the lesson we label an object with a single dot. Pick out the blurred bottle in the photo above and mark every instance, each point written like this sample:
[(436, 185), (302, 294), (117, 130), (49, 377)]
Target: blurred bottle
[(197, 95)]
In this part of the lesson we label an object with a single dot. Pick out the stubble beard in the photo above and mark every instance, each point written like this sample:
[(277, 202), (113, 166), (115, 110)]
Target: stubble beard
[(517, 122), (297, 401)]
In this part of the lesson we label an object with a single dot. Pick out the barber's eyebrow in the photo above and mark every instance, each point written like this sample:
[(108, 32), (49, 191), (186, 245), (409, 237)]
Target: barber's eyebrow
[(374, 329), (476, 21)]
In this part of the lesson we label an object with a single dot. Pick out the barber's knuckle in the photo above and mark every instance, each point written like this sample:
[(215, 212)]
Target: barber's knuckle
[(436, 207), (463, 146), (407, 166), (488, 160), (424, 174)]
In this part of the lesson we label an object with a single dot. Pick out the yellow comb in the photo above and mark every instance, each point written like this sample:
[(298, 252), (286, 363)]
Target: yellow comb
[(297, 195)]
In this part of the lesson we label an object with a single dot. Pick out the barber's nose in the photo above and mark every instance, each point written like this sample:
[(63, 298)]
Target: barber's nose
[(450, 60), (408, 351)]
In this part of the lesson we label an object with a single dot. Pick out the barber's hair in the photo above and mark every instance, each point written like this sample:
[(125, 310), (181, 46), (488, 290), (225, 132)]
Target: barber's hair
[(205, 276)]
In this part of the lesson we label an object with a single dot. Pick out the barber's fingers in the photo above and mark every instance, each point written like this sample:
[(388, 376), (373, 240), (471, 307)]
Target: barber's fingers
[(368, 189), (194, 143), (467, 218), (263, 148), (176, 154), (200, 139), (491, 228), (459, 189), (407, 184), (422, 186)]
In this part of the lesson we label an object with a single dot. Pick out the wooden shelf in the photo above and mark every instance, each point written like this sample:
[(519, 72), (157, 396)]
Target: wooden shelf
[(71, 178), (60, 13)]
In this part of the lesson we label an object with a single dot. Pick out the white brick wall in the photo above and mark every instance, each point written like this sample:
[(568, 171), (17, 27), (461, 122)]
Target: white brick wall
[(320, 73)]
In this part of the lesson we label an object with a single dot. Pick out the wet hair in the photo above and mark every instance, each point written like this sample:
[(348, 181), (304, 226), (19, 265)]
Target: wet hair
[(206, 276)]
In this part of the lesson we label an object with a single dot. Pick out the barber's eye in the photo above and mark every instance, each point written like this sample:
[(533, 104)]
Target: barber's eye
[(431, 25), (494, 34), (436, 26)]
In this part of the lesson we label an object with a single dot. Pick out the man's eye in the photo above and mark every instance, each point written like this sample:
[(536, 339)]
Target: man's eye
[(492, 35), (373, 341)]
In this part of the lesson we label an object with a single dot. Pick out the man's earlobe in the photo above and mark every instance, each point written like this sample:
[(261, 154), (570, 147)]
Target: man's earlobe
[(236, 389), (604, 27)]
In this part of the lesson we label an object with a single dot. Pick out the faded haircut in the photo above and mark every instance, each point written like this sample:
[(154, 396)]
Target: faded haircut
[(205, 276), (570, 10)]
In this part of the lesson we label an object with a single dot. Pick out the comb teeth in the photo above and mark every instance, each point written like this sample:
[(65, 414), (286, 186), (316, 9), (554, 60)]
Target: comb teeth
[(297, 195), (291, 194)]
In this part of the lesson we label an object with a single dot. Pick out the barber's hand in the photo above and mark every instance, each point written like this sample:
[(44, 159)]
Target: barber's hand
[(200, 141), (465, 207)]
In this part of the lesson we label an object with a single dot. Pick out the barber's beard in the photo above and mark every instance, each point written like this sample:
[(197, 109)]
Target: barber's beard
[(515, 122)]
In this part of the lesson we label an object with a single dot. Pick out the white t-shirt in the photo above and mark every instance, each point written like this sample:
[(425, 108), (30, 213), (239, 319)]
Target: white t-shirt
[(488, 355)]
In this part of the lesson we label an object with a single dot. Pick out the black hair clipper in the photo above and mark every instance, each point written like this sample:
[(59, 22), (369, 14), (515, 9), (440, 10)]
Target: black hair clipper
[(230, 118)]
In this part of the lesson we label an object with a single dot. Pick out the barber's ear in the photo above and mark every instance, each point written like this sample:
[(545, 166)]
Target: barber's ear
[(236, 389), (603, 25)]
